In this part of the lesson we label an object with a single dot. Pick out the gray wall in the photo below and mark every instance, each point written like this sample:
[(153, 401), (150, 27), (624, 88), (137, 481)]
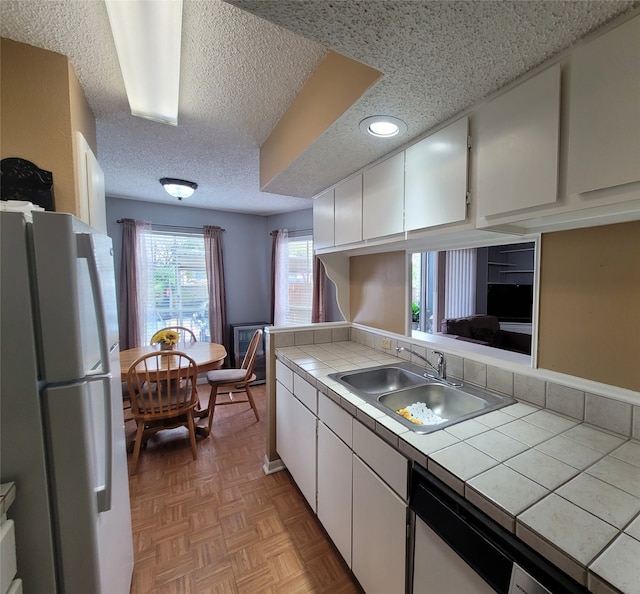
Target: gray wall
[(247, 247)]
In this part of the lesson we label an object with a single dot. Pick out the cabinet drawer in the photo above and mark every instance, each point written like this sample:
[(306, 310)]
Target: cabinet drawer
[(336, 418), (284, 375), (305, 393), (391, 466)]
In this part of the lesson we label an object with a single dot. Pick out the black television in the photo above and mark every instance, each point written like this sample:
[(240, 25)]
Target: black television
[(510, 303)]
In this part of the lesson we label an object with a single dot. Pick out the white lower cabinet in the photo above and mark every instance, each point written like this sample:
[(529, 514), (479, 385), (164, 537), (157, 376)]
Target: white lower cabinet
[(379, 533), (364, 511), (296, 441), (334, 489)]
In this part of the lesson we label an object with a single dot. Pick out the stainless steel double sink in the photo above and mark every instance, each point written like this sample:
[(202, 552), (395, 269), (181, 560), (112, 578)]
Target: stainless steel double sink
[(391, 388)]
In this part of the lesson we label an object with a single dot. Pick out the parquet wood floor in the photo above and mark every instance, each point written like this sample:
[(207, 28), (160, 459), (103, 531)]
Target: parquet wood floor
[(218, 524)]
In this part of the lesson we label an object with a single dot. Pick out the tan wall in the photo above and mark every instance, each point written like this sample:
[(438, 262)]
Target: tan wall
[(378, 290), (335, 85), (42, 107), (590, 304)]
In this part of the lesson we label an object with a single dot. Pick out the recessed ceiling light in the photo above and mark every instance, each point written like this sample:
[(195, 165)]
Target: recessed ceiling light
[(383, 126)]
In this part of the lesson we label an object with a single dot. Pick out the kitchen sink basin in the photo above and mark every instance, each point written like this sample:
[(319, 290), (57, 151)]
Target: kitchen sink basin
[(393, 388), (445, 401), (381, 379)]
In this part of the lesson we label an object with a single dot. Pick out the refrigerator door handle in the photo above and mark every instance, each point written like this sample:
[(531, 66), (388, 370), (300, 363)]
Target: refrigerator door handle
[(86, 250), (103, 491)]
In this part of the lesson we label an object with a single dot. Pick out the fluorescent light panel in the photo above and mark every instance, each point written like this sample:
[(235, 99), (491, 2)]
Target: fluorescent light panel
[(147, 35)]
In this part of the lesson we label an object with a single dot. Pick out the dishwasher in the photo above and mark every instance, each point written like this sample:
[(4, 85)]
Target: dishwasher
[(460, 550)]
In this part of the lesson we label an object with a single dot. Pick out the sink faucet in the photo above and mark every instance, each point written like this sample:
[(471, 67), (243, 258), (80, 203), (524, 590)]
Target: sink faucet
[(441, 365)]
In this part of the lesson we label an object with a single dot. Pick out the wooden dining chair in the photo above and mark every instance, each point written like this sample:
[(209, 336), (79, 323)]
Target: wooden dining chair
[(235, 381), (163, 393), (185, 333)]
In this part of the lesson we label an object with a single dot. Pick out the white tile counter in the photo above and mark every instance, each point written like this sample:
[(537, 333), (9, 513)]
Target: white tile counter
[(569, 490)]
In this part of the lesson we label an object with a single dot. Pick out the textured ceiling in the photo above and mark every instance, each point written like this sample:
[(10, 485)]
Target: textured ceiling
[(241, 72)]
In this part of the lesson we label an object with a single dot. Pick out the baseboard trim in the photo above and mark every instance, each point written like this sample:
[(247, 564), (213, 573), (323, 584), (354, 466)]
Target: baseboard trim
[(272, 466)]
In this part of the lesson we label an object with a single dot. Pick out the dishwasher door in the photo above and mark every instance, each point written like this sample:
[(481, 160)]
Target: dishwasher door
[(439, 569), (460, 550)]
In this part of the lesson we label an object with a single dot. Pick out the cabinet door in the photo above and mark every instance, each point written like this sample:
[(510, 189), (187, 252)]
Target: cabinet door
[(436, 178), (348, 211), (323, 232), (383, 198), (604, 111), (296, 441), (334, 489), (516, 147), (379, 533)]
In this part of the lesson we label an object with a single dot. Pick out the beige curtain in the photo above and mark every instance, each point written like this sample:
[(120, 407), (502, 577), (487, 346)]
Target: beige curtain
[(130, 307), (215, 279), (318, 304)]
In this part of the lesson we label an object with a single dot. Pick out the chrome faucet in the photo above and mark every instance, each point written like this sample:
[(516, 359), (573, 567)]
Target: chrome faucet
[(441, 365)]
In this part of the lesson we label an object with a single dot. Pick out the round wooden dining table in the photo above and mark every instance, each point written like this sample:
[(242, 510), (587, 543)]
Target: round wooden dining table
[(207, 355)]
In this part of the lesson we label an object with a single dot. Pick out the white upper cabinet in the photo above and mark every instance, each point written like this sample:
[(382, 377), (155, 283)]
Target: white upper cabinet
[(383, 198), (323, 231), (348, 211), (515, 147), (604, 113), (436, 178)]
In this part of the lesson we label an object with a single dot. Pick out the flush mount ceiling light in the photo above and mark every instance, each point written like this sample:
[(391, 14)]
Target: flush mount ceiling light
[(147, 36), (383, 126), (179, 188)]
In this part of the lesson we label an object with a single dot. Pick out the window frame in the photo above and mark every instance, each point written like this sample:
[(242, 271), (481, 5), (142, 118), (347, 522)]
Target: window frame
[(180, 267), (451, 343)]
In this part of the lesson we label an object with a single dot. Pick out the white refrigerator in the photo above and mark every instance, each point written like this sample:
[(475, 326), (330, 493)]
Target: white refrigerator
[(62, 430)]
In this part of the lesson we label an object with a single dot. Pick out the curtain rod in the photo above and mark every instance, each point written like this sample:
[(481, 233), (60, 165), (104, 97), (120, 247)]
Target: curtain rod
[(171, 227), (296, 233)]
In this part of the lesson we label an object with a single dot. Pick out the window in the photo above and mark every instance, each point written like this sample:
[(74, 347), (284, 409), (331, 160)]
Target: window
[(494, 281), (175, 283), (300, 280)]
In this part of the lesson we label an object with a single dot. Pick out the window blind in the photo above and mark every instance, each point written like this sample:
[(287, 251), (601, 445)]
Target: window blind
[(300, 280), (177, 293)]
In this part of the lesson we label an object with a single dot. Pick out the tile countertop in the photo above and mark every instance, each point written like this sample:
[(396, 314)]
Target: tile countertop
[(569, 490)]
